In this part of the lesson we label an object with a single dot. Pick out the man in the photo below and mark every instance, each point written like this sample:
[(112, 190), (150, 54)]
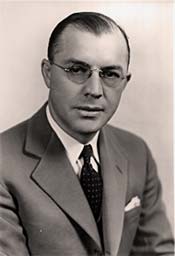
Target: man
[(71, 185)]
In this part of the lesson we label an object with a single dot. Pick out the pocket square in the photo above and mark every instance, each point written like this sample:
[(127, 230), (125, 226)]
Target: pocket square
[(135, 202)]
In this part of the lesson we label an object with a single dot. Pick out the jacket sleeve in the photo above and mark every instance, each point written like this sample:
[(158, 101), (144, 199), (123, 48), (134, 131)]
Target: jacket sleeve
[(12, 239), (153, 236)]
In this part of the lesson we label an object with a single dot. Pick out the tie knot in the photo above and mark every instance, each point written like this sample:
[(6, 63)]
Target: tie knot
[(86, 153)]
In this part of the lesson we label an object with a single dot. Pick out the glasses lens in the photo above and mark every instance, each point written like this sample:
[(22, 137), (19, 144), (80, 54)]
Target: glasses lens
[(111, 77), (78, 73)]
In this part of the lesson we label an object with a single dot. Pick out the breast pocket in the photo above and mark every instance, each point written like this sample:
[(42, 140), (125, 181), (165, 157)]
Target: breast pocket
[(133, 215), (131, 223)]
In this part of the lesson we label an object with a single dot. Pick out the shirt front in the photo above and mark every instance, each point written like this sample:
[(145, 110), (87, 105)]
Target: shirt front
[(73, 147)]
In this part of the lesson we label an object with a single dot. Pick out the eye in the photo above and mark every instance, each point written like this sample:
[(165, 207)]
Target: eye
[(78, 69), (111, 74)]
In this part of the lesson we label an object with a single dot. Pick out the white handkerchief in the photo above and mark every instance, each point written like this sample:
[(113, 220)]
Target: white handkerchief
[(135, 202)]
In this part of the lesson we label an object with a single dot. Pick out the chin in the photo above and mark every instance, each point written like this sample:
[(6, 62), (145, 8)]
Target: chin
[(88, 129), (88, 126)]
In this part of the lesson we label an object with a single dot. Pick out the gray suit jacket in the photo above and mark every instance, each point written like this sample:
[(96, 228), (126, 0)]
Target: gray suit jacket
[(43, 210)]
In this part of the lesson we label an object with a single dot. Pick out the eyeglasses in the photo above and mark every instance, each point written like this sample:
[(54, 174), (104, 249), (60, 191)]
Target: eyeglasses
[(80, 73)]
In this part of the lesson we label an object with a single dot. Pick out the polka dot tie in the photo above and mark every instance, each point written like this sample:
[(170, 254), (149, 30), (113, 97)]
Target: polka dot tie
[(91, 182)]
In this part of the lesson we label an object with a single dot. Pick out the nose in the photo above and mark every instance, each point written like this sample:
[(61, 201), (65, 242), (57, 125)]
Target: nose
[(93, 86)]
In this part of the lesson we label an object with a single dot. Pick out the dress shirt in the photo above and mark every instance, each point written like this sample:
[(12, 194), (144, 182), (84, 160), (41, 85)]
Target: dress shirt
[(73, 147)]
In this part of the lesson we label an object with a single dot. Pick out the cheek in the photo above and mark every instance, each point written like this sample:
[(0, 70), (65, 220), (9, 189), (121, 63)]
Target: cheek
[(113, 100), (63, 89)]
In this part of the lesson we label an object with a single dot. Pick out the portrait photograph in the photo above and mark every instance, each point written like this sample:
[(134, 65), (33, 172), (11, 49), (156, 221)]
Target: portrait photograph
[(86, 124)]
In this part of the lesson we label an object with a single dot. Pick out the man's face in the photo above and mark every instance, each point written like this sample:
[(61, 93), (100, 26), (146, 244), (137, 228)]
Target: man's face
[(82, 109)]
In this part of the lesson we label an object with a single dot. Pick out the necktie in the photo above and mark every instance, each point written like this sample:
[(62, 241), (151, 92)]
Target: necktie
[(91, 182)]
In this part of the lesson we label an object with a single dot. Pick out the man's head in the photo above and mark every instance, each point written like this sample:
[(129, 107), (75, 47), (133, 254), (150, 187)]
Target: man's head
[(86, 72), (93, 22)]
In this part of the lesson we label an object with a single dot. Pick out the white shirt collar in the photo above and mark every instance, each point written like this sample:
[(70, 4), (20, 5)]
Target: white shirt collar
[(72, 146)]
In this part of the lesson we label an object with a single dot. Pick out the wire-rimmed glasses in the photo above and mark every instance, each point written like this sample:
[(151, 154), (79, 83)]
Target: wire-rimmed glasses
[(80, 73)]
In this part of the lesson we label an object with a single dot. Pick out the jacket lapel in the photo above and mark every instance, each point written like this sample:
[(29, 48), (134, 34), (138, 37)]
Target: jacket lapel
[(55, 176), (114, 171)]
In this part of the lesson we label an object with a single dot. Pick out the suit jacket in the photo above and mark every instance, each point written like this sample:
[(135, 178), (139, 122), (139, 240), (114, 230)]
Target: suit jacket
[(43, 211)]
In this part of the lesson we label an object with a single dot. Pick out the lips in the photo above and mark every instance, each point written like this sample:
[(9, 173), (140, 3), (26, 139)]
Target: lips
[(90, 108)]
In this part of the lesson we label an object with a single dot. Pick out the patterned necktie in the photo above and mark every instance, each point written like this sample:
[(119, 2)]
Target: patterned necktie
[(91, 182)]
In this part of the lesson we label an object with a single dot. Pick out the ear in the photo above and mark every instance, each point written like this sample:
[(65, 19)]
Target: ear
[(128, 77), (126, 80), (46, 71)]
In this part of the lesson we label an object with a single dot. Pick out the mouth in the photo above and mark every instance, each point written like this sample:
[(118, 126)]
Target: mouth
[(90, 108), (89, 111)]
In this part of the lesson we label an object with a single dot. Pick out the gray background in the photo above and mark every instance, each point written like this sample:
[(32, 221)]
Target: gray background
[(147, 104)]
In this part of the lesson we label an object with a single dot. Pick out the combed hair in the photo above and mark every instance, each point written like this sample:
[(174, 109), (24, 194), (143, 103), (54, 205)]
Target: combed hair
[(93, 22)]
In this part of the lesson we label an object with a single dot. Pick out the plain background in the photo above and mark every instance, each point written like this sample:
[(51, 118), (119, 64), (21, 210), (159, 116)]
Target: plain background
[(147, 103)]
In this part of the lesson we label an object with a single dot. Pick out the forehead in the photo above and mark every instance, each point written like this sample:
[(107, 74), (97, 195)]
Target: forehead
[(106, 49)]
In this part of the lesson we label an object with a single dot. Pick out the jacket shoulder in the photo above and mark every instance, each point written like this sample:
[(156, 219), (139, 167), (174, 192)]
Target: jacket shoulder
[(14, 134), (18, 132), (130, 144), (125, 137)]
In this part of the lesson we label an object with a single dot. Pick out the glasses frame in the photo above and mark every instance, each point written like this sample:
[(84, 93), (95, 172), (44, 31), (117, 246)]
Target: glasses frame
[(89, 75)]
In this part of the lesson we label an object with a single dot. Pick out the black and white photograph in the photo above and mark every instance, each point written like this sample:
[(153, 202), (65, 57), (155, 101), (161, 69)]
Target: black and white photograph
[(86, 128)]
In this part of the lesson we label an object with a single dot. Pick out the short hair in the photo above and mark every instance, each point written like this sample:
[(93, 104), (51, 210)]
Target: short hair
[(93, 22)]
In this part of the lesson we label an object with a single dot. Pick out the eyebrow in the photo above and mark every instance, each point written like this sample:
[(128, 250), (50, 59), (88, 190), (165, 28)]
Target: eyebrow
[(76, 61), (113, 67)]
